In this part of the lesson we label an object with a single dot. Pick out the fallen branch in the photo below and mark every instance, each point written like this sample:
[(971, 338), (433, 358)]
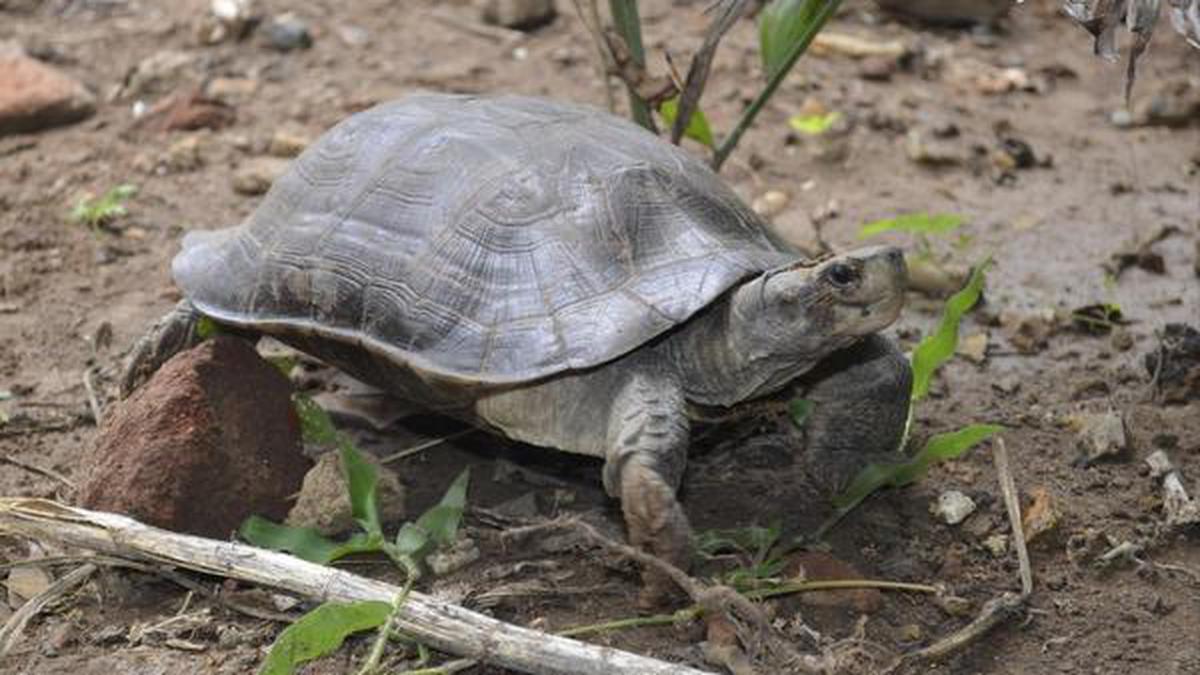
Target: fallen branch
[(15, 625), (440, 625)]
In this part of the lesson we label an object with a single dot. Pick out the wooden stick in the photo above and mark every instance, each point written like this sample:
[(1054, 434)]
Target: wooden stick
[(12, 629), (440, 625)]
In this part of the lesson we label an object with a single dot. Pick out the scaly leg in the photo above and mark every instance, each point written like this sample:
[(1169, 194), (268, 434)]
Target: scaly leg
[(647, 450), (173, 333), (860, 406)]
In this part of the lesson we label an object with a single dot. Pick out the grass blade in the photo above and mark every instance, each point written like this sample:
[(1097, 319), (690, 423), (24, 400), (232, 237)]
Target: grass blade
[(937, 348), (939, 448), (304, 542), (917, 223)]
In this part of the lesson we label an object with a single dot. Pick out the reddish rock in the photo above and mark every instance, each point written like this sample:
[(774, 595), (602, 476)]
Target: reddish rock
[(34, 96), (209, 440), (818, 566)]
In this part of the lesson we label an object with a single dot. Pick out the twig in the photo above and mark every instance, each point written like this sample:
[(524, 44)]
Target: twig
[(697, 76), (49, 473), (1008, 488), (506, 37), (12, 629), (441, 625), (595, 28), (371, 665), (798, 47), (448, 668), (421, 447), (93, 400), (1007, 605)]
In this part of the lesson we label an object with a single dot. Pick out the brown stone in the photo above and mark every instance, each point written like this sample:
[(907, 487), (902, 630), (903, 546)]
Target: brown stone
[(209, 440), (818, 566), (35, 96)]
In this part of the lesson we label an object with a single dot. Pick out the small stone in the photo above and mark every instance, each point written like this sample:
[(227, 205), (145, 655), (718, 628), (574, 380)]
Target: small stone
[(770, 203), (184, 154), (1181, 510), (1029, 333), (1101, 434), (211, 439), (953, 507), (935, 279), (231, 89), (256, 175), (353, 36), (973, 347), (36, 96), (519, 14), (25, 582), (877, 68), (1042, 516), (997, 545), (911, 632), (286, 144), (1009, 384), (1122, 339), (324, 501), (931, 152), (819, 566), (523, 507), (1121, 118), (158, 73), (287, 32), (462, 553), (1159, 463)]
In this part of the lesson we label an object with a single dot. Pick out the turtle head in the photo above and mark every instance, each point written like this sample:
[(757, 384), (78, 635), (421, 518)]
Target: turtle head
[(783, 322)]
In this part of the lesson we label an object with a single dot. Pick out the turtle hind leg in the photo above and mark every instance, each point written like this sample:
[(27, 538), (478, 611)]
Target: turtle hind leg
[(173, 333), (647, 449), (860, 397)]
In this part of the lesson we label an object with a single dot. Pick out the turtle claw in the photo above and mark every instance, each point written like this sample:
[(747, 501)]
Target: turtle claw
[(173, 333), (658, 525)]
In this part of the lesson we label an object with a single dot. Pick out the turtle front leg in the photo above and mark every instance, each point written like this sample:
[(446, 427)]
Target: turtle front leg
[(860, 401), (173, 333), (647, 450)]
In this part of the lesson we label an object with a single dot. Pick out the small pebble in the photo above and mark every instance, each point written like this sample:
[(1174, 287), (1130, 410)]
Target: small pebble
[(770, 203), (953, 507), (463, 553), (1101, 434), (287, 32), (997, 545), (1159, 463)]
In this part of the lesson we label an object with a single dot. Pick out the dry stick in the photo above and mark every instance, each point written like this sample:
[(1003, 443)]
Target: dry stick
[(505, 37), (49, 473), (607, 63), (12, 629), (697, 76), (441, 625), (93, 400), (1007, 605), (421, 447)]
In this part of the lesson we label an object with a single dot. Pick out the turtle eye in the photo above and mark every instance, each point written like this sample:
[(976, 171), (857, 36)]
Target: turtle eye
[(842, 275)]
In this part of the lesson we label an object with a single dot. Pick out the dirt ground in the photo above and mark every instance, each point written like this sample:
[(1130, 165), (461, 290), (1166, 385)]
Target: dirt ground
[(1094, 187)]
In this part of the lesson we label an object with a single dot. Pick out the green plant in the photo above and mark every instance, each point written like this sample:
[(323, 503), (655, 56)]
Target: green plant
[(786, 29), (96, 213), (322, 630), (754, 545)]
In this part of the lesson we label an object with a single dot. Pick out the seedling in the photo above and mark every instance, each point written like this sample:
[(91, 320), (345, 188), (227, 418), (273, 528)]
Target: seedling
[(96, 213), (754, 545), (322, 631)]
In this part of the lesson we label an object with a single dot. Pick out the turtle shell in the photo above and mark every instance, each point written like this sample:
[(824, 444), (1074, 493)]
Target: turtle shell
[(482, 240)]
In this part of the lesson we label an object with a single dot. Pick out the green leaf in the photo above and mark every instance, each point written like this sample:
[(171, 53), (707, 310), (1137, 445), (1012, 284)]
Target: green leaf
[(800, 409), (316, 426), (755, 540), (814, 125), (321, 632), (108, 207), (782, 24), (919, 223), (939, 448), (697, 128), (206, 328), (439, 525), (362, 480), (936, 349), (304, 542)]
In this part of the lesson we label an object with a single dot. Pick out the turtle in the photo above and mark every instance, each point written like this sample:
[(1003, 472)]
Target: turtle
[(559, 276)]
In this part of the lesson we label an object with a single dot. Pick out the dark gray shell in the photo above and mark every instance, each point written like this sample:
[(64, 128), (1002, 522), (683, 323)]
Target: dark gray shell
[(484, 240)]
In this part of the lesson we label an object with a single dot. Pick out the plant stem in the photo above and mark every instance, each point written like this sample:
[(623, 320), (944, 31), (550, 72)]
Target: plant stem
[(629, 27), (694, 611), (371, 665), (730, 142)]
